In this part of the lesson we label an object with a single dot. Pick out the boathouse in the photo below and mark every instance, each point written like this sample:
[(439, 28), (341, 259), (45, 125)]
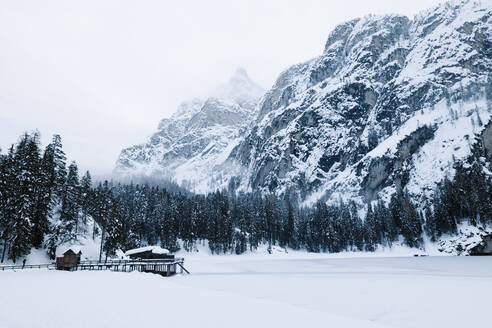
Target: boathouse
[(70, 259), (149, 253)]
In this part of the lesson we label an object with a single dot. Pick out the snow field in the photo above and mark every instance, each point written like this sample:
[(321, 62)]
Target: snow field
[(258, 291)]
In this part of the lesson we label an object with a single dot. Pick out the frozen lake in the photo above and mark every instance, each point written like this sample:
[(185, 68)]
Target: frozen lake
[(261, 291)]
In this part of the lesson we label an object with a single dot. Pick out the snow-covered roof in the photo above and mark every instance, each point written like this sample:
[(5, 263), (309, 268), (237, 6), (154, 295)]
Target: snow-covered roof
[(75, 248), (154, 249)]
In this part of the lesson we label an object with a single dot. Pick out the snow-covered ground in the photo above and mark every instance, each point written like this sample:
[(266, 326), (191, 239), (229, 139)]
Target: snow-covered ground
[(278, 290)]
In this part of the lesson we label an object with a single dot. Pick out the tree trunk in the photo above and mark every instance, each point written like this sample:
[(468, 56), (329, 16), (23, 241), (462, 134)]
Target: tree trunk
[(93, 230), (4, 249), (102, 243)]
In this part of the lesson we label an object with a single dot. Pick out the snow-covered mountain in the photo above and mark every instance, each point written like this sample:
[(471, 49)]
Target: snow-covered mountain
[(391, 103), (197, 138)]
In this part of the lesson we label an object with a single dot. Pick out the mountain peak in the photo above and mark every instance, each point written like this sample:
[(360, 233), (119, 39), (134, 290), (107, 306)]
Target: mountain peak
[(240, 73), (240, 88), (198, 137)]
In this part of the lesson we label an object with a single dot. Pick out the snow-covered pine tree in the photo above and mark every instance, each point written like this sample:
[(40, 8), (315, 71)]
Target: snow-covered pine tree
[(169, 226), (45, 203), (55, 165), (3, 222), (100, 209), (70, 207), (113, 228), (411, 227), (7, 209), (85, 190), (357, 227), (27, 177), (388, 229), (370, 229), (289, 231)]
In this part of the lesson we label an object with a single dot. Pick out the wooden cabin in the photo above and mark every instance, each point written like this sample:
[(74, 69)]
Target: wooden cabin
[(149, 253), (69, 260)]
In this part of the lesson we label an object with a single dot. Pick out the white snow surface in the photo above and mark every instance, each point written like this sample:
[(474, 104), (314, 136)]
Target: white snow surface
[(278, 290)]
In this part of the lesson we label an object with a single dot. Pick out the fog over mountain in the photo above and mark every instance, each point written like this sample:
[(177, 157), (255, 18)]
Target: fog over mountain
[(391, 105), (102, 73), (190, 146)]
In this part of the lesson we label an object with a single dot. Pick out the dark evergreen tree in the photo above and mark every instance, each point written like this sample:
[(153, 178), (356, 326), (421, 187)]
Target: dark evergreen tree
[(370, 232), (411, 227), (55, 165), (289, 235), (7, 209), (25, 190), (70, 204), (85, 196), (113, 229)]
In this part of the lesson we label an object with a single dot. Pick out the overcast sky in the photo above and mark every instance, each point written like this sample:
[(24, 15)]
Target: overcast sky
[(103, 73)]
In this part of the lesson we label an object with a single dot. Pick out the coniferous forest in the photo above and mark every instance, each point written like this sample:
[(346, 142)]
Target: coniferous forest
[(45, 202)]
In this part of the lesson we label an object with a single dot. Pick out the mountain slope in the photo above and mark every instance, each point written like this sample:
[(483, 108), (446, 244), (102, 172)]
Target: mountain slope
[(196, 138), (390, 104)]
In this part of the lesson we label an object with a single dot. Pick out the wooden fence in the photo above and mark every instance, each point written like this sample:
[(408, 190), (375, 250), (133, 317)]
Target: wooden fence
[(50, 266)]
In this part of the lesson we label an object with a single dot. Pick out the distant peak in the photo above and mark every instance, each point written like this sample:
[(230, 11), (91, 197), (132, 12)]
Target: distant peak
[(239, 88), (241, 73)]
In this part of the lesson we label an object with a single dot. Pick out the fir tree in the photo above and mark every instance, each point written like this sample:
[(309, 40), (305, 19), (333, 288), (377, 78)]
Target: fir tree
[(411, 227), (27, 178), (370, 234), (70, 205), (7, 197), (114, 228), (85, 194)]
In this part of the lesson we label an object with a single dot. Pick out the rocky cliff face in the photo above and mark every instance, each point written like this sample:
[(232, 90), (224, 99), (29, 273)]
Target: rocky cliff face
[(190, 144), (390, 104)]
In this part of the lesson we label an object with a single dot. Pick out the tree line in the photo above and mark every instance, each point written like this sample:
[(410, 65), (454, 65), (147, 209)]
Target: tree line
[(40, 197), (44, 203)]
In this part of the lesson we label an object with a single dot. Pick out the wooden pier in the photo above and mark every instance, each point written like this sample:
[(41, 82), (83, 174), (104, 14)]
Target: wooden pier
[(164, 267)]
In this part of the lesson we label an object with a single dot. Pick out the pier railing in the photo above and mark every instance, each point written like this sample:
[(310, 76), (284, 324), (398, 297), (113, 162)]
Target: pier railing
[(164, 267), (137, 261)]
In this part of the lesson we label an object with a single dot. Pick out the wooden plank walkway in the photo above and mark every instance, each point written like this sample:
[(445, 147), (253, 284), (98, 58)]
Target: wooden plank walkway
[(163, 267)]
